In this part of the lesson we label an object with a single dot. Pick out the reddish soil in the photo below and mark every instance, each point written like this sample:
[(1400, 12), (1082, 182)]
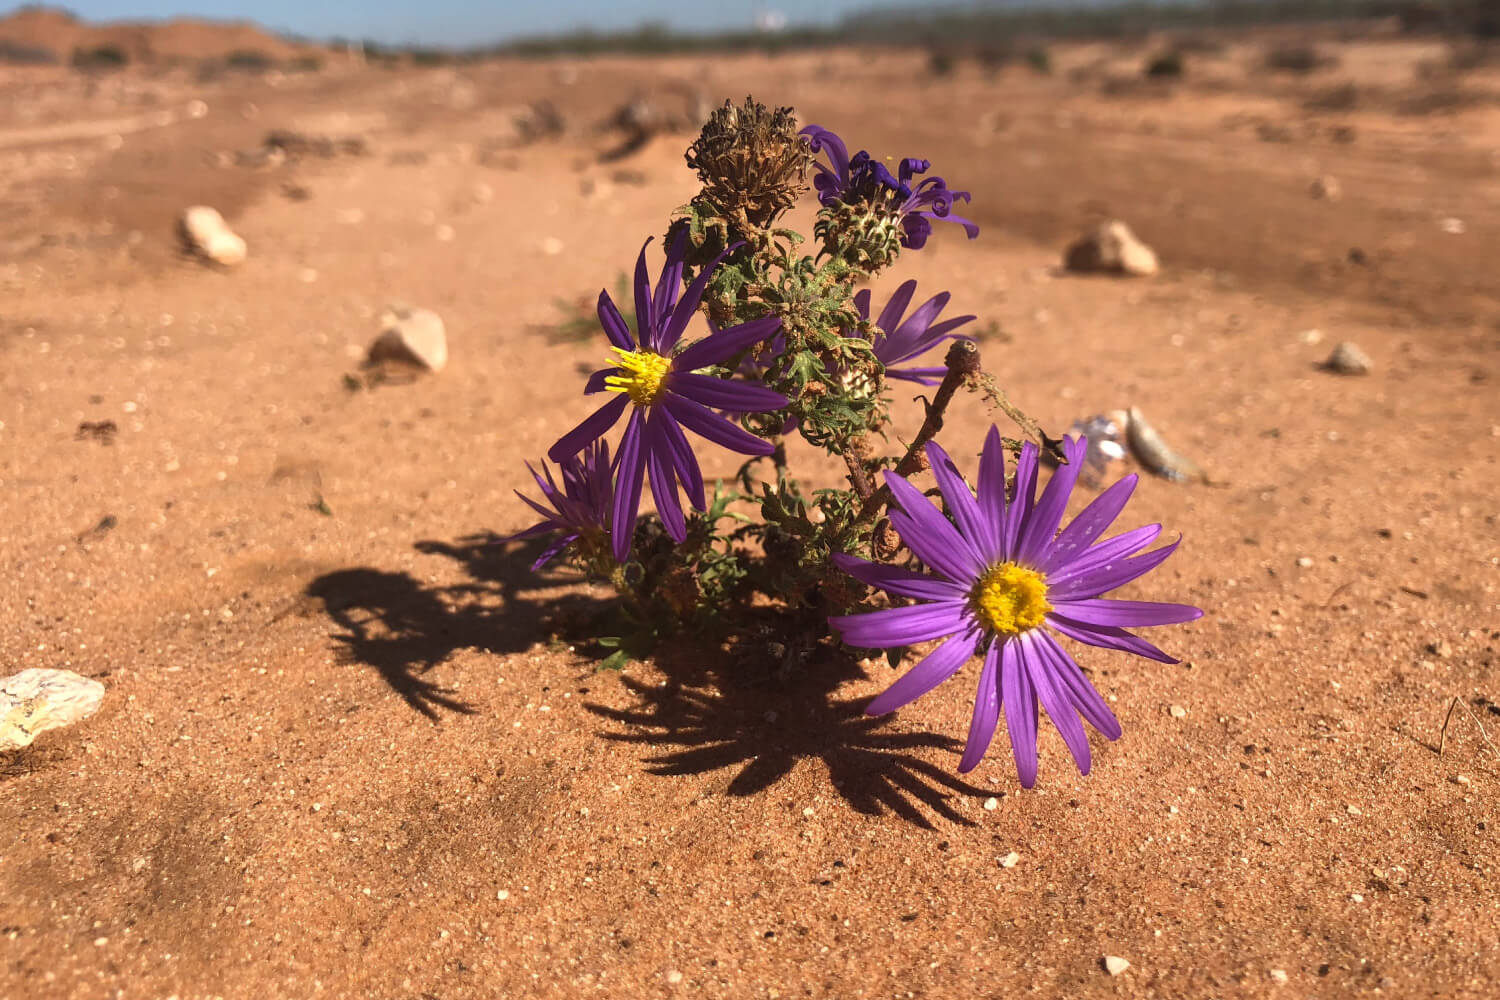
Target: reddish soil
[(346, 750)]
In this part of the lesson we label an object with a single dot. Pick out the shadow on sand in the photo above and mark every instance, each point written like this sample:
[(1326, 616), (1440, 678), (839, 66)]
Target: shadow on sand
[(757, 715)]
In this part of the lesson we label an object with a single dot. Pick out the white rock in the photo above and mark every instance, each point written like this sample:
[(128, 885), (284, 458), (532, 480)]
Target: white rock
[(1348, 359), (210, 236), (1114, 964), (1010, 860), (1114, 249), (1279, 977), (37, 700), (415, 336), (1326, 188)]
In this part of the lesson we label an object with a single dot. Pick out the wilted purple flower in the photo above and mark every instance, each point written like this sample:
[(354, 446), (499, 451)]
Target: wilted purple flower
[(996, 578), (667, 394), (862, 179), (919, 333), (579, 510)]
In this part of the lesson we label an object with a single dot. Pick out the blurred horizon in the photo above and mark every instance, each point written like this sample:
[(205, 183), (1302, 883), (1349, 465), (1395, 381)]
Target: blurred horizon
[(460, 24)]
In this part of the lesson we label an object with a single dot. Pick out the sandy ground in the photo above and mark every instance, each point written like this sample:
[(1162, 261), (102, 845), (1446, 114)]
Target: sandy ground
[(347, 751)]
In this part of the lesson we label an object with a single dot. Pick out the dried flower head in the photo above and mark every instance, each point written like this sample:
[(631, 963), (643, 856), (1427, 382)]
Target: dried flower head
[(752, 162)]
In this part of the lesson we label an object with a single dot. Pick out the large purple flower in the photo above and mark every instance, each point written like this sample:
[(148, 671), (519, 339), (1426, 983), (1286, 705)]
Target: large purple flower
[(579, 510), (902, 340), (996, 577), (862, 179), (667, 393)]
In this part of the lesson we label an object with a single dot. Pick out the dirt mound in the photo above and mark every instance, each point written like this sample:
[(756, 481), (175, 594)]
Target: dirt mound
[(61, 33)]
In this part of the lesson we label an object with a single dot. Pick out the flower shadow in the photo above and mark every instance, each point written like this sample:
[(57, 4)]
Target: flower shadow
[(403, 628), (763, 725)]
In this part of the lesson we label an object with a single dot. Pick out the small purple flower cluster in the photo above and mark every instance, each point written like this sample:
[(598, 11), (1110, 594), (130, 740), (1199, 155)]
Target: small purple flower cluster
[(864, 180)]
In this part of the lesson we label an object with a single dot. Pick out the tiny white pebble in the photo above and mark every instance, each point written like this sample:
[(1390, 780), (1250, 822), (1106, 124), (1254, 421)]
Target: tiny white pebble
[(1114, 964), (808, 811), (1010, 860), (1356, 897), (1304, 561), (992, 803), (1354, 811), (1178, 711), (101, 942), (674, 977), (1279, 977), (502, 894), (1461, 779)]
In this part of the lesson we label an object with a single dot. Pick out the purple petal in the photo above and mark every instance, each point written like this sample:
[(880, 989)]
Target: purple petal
[(627, 502), (1106, 555), (890, 316), (597, 381), (986, 707), (663, 482), (1126, 614), (902, 626), (1093, 521), (1108, 638), (902, 582), (972, 524), (930, 535), (992, 485), (552, 551), (683, 460), (1089, 702), (1018, 695), (700, 420), (935, 668), (670, 282), (1024, 500), (1107, 578), (671, 332), (718, 346), (592, 427), (862, 303), (643, 314), (1056, 702), (722, 394), (925, 376), (970, 227), (615, 327), (1042, 526)]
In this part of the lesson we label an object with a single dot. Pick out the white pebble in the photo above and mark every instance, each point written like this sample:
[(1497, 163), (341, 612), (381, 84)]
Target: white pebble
[(674, 977), (1010, 860), (992, 803), (1178, 711), (1279, 977), (1114, 964)]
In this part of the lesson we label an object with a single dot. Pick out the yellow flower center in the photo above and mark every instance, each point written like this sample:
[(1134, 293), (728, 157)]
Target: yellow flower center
[(641, 375), (1010, 599)]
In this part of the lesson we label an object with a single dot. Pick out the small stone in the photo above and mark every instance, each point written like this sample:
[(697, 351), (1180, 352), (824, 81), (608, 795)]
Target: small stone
[(1114, 964), (992, 803), (1348, 359), (1356, 897), (1461, 779), (36, 700), (808, 812), (1326, 188), (502, 894), (1177, 711), (1010, 860), (1354, 811), (1313, 336), (1440, 649), (209, 236), (1112, 248), (1304, 561), (1279, 977), (413, 336), (196, 109), (1453, 226), (674, 977)]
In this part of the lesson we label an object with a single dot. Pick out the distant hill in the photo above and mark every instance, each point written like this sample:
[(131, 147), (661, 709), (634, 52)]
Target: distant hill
[(39, 30)]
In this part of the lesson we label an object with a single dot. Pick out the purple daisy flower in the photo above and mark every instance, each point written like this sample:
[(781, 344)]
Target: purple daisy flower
[(863, 179), (667, 393), (580, 509), (997, 576), (919, 333)]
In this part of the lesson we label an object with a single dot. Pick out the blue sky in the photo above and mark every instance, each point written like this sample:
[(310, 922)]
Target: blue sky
[(456, 22)]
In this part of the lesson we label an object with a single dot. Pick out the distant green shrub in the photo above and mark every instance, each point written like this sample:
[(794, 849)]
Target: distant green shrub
[(1039, 59), (16, 54), (252, 60), (1165, 66), (100, 57), (1297, 59)]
